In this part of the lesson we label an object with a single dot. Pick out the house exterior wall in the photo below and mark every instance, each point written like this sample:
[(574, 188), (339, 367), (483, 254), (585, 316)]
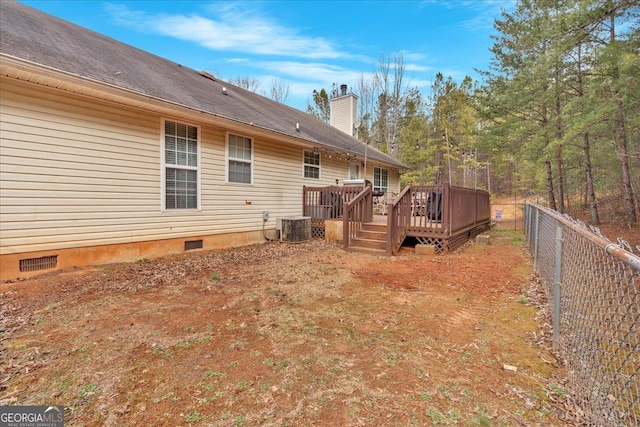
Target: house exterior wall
[(81, 179)]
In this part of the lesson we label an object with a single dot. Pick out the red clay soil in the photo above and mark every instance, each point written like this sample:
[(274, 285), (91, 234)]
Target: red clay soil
[(286, 335)]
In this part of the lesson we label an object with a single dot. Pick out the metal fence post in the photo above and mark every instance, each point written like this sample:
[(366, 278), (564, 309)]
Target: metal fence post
[(527, 223), (556, 287), (536, 237)]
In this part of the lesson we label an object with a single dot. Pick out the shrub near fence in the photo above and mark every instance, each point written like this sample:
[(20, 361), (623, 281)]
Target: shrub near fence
[(594, 287)]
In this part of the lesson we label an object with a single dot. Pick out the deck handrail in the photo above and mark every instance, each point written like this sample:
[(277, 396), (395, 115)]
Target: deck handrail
[(468, 208), (435, 211), (398, 219), (322, 203), (356, 212)]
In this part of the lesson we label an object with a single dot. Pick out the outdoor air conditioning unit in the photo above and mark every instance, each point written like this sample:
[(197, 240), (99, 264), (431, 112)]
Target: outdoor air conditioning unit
[(294, 229)]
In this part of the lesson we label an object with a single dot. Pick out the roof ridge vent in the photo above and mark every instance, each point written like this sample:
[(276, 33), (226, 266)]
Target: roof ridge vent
[(207, 75)]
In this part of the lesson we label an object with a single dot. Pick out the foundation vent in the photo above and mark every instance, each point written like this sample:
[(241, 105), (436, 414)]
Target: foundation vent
[(36, 264), (190, 245)]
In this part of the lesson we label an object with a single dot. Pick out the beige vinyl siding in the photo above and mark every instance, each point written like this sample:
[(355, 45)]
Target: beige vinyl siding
[(75, 172), (343, 113)]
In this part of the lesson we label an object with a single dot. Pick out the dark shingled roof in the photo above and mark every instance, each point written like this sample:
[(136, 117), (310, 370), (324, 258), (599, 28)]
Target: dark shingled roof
[(40, 38)]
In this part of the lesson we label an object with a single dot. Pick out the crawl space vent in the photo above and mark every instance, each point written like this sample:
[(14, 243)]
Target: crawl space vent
[(190, 245), (36, 264)]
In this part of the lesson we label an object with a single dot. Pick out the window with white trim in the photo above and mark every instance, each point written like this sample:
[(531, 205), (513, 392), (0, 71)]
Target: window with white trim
[(239, 159), (181, 166), (380, 180), (311, 164)]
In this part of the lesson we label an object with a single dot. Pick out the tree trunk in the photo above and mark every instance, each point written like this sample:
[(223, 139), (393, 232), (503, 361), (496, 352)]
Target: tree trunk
[(623, 152), (560, 181), (591, 194), (626, 177), (559, 137), (551, 196)]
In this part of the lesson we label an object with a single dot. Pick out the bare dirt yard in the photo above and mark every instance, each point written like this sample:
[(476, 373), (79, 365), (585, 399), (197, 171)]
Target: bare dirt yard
[(287, 335)]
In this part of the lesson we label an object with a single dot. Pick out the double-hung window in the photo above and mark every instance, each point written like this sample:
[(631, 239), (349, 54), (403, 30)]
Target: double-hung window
[(239, 159), (380, 179), (181, 166), (311, 164)]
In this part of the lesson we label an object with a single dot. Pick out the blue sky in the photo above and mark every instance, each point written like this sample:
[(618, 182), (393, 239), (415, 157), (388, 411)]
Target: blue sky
[(306, 44)]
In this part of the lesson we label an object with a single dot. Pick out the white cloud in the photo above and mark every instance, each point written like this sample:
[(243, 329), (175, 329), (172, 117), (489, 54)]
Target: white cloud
[(234, 28), (486, 12)]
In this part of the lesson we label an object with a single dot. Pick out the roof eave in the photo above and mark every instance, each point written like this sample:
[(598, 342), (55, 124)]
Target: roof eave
[(35, 73)]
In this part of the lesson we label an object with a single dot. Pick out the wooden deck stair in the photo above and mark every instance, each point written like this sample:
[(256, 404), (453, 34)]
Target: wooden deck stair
[(372, 238)]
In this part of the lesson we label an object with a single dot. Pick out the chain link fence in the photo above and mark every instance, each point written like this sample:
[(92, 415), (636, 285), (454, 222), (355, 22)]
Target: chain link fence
[(594, 288)]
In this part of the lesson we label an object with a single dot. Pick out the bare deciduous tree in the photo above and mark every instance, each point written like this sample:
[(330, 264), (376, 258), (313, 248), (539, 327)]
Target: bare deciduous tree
[(279, 90), (249, 83)]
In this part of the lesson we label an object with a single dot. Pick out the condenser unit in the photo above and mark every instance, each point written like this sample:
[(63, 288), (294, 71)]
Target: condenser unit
[(294, 229)]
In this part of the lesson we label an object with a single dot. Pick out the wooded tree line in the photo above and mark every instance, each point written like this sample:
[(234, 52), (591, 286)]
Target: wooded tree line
[(557, 115)]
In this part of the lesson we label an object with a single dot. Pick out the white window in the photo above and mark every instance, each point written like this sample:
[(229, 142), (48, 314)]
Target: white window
[(380, 179), (239, 159), (311, 164), (181, 166)]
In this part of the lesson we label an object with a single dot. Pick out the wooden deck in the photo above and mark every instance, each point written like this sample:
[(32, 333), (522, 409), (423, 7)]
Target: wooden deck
[(438, 215)]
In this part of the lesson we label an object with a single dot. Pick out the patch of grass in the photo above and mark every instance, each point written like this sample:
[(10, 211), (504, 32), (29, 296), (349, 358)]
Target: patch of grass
[(436, 416), (444, 390), (164, 352), (555, 389), (482, 420), (203, 339), (193, 416), (390, 359), (268, 362), (165, 397), (515, 237), (87, 390), (453, 416), (214, 276), (425, 395), (210, 374), (239, 421), (281, 365)]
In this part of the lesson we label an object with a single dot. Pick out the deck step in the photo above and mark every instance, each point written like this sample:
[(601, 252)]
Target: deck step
[(367, 250), (372, 238), (370, 226), (372, 235), (368, 244)]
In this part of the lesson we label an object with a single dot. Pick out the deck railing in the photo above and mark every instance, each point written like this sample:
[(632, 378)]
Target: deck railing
[(398, 220), (435, 211), (322, 203), (468, 208), (357, 211), (430, 210)]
